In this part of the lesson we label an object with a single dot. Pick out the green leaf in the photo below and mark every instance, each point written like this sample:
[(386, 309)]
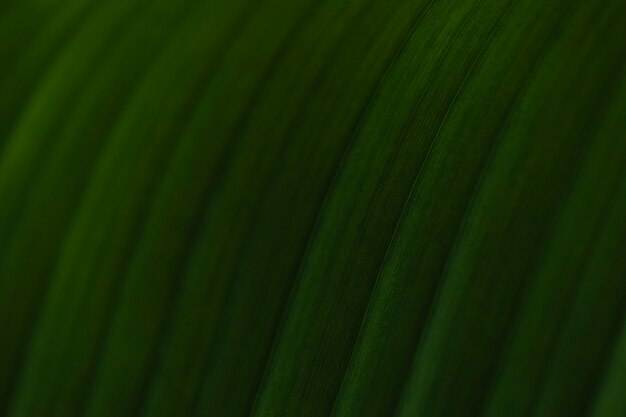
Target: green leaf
[(312, 208)]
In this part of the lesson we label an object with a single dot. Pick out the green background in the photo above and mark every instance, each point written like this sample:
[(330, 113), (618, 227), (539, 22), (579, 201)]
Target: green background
[(259, 208)]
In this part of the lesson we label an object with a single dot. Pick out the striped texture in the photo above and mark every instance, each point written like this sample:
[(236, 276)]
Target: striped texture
[(312, 208)]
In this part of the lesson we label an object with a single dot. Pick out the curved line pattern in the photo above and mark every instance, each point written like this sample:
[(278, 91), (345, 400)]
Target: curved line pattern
[(108, 225)]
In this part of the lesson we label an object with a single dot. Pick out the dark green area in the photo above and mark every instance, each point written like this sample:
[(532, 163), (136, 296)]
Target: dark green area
[(281, 208)]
